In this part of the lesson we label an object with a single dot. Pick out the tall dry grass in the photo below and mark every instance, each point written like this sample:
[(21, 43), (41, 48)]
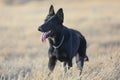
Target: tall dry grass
[(24, 57)]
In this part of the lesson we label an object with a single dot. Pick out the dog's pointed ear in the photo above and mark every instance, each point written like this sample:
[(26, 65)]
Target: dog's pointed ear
[(51, 10), (60, 15)]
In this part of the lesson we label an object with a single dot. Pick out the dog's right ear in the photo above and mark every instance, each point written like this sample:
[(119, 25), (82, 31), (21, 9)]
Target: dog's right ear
[(60, 15), (51, 10)]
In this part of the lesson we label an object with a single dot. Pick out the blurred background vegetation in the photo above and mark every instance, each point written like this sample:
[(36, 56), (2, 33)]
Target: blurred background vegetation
[(24, 57)]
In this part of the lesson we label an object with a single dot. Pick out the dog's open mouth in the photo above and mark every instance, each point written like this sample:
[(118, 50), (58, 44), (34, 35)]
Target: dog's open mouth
[(45, 35)]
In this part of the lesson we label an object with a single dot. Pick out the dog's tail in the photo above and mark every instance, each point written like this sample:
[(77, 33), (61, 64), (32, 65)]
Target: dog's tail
[(86, 58)]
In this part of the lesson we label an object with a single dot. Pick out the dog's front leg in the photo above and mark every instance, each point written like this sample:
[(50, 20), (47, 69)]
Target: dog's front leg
[(65, 68), (51, 64), (69, 63)]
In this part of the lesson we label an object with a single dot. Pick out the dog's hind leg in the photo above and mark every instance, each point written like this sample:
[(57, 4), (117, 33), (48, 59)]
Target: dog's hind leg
[(86, 58), (80, 57), (79, 62), (51, 64)]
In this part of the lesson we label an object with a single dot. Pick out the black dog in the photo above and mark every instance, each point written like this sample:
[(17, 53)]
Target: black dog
[(65, 43)]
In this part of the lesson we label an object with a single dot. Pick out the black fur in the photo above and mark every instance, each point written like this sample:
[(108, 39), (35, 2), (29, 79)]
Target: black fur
[(74, 43)]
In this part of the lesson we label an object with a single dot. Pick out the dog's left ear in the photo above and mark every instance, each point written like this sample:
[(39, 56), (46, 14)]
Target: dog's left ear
[(60, 15), (51, 10)]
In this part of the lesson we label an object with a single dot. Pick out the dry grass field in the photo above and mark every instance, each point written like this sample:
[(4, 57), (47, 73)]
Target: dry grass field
[(24, 57)]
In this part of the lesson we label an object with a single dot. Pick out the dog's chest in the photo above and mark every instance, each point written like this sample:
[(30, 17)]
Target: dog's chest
[(60, 54)]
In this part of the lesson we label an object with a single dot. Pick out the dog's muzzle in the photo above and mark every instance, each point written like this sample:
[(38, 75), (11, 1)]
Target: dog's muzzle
[(40, 29)]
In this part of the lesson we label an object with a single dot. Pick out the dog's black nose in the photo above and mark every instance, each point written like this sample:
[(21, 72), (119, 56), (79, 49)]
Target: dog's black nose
[(39, 29)]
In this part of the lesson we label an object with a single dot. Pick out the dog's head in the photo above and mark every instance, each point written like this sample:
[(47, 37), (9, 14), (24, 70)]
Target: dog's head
[(53, 23)]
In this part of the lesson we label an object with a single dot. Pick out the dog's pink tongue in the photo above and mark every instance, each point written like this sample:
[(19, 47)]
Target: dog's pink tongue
[(44, 37)]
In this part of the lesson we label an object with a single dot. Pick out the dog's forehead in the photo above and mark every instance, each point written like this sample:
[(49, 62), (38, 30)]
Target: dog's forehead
[(48, 18)]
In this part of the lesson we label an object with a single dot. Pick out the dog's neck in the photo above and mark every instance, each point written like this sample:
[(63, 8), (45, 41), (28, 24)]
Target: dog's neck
[(56, 41)]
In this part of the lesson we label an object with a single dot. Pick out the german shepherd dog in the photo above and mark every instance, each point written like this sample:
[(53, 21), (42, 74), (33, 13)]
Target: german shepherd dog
[(64, 43)]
